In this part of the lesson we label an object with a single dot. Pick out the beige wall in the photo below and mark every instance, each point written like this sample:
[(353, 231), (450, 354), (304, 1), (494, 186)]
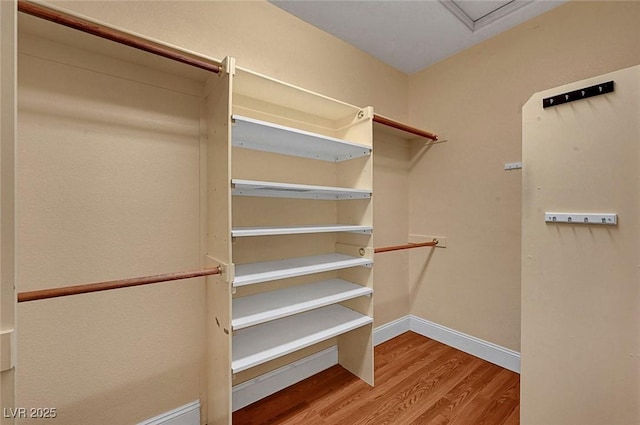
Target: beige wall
[(264, 39), (391, 221), (125, 356), (108, 188), (459, 189)]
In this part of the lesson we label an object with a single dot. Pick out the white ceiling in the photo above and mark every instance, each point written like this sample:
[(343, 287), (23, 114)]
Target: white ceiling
[(413, 34)]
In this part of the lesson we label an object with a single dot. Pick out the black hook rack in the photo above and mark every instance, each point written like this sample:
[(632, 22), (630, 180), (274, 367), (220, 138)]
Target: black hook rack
[(584, 93)]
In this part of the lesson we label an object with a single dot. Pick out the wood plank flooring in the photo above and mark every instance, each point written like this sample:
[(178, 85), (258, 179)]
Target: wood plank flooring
[(418, 381)]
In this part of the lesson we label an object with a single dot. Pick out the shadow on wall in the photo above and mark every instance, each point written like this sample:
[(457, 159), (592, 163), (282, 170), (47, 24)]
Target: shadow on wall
[(422, 276)]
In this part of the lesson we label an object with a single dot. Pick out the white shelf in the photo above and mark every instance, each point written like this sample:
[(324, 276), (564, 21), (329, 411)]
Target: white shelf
[(292, 190), (255, 309), (265, 136), (298, 230), (248, 274), (262, 343)]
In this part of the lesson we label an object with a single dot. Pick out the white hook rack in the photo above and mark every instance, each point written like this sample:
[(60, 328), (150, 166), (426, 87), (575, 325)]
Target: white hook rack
[(610, 219)]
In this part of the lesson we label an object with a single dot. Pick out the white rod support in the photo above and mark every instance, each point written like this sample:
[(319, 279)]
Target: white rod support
[(513, 166)]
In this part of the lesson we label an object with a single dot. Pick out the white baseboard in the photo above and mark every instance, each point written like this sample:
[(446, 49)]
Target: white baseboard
[(189, 414), (274, 381), (391, 330), (485, 350), (264, 385)]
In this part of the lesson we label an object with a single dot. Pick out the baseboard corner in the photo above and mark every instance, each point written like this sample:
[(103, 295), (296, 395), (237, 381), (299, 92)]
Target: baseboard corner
[(391, 330), (485, 350)]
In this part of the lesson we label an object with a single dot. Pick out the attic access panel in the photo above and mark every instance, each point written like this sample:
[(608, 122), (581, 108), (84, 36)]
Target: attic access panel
[(477, 14)]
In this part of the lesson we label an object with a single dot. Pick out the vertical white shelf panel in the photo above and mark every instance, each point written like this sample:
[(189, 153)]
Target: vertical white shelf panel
[(298, 126), (260, 344)]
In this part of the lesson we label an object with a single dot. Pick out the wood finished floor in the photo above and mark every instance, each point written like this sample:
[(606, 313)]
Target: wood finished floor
[(418, 381)]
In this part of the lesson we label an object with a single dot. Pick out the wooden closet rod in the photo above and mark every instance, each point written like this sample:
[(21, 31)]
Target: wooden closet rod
[(400, 126), (405, 246), (114, 284), (105, 32)]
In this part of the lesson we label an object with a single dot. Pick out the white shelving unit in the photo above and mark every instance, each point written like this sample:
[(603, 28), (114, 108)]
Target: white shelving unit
[(291, 222)]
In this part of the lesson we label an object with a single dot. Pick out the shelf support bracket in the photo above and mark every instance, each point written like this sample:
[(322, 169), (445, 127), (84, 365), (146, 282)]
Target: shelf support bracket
[(7, 347)]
